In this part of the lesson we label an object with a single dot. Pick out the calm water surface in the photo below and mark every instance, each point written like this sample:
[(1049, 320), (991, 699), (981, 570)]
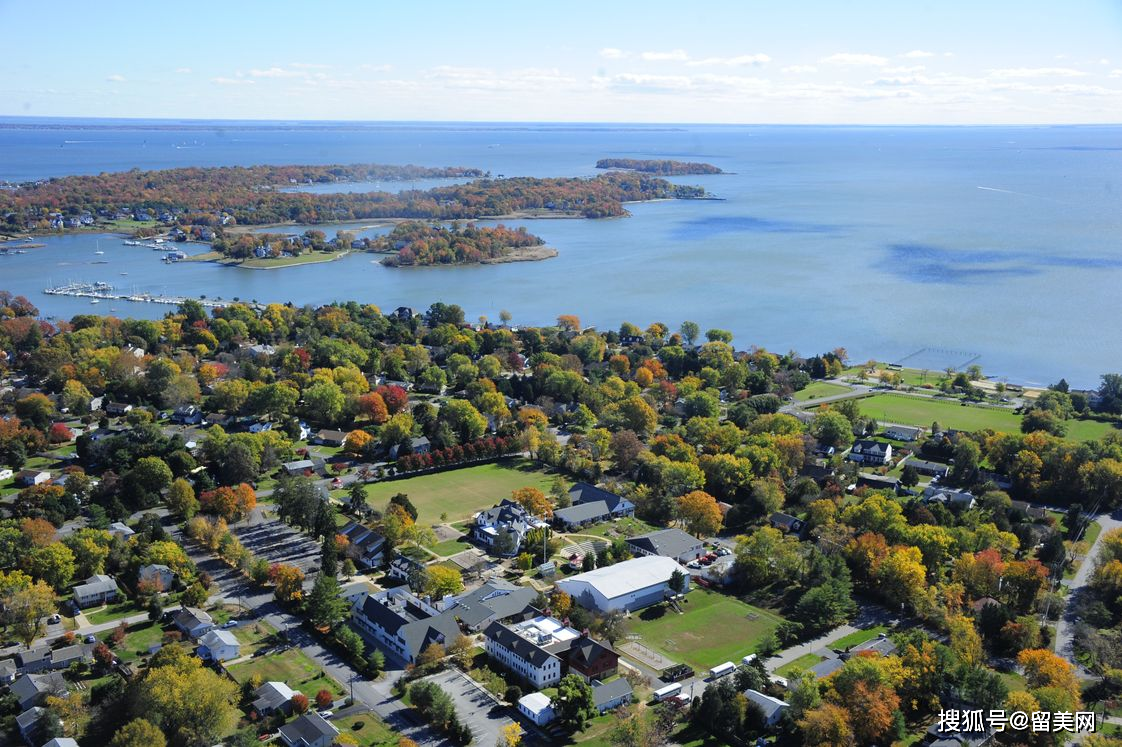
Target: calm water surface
[(1001, 243)]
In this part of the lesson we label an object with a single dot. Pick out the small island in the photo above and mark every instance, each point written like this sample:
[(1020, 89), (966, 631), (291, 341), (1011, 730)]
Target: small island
[(655, 166), (415, 244)]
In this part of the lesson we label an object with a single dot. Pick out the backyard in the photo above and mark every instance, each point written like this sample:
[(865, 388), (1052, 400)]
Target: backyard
[(367, 730), (713, 629), (292, 666), (460, 493), (138, 640)]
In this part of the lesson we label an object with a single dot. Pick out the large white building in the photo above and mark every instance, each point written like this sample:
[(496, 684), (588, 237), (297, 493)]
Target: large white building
[(630, 585)]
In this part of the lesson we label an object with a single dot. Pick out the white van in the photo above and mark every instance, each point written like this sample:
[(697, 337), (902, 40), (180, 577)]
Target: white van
[(667, 692), (721, 670), (748, 659)]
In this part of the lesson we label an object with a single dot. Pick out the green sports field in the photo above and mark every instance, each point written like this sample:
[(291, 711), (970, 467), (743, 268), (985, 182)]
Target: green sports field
[(714, 628), (460, 493)]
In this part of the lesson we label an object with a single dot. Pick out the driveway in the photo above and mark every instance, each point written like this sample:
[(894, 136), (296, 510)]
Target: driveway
[(1065, 626)]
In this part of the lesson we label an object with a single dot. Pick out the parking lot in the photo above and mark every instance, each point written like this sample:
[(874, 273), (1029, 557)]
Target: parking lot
[(474, 706), (269, 538)]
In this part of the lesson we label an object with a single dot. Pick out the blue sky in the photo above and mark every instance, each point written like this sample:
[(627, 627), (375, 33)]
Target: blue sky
[(739, 62)]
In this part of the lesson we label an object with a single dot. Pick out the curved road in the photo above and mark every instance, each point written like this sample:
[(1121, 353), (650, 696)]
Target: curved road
[(1065, 627)]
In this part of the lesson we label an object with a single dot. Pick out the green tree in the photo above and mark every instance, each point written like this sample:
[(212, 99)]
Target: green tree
[(325, 606), (573, 702), (53, 563), (182, 500), (323, 402), (139, 733), (832, 428)]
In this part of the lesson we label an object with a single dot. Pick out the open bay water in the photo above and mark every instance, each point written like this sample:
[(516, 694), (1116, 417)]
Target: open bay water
[(998, 242)]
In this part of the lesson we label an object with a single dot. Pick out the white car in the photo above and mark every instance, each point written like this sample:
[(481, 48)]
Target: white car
[(325, 714), (230, 624)]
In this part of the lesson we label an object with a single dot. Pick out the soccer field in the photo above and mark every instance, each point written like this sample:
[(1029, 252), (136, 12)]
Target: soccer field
[(714, 628), (460, 493)]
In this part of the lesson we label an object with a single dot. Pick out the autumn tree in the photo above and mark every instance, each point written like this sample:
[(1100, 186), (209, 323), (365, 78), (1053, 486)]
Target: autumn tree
[(139, 732), (26, 610), (440, 581), (181, 499), (534, 501), (183, 698), (700, 513), (288, 580), (826, 726), (509, 736)]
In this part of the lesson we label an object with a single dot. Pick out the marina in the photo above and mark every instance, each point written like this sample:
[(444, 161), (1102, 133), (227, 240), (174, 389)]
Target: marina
[(102, 291)]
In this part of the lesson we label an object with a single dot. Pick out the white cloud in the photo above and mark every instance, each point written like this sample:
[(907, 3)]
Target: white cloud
[(183, 70), (115, 78), (904, 70), (1116, 73), (232, 81), (276, 72), (915, 54), (611, 53), (850, 59), (800, 69), (1036, 72), (1104, 61), (744, 59), (375, 68), (309, 66), (676, 55), (639, 81)]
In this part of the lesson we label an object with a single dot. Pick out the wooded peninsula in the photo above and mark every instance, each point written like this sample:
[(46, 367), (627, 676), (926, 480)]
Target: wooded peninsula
[(224, 196), (420, 244), (654, 166)]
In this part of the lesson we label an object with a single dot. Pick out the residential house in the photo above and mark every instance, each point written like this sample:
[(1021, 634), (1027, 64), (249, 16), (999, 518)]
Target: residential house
[(541, 650), (34, 659), (310, 730), (667, 543), (192, 621), (572, 518), (219, 645), (403, 623), (924, 467), (33, 689), (367, 547), (505, 525), (902, 432), (121, 530), (61, 742), (273, 697), (630, 585), (582, 493), (495, 600), (1029, 510), (773, 708), (187, 415), (608, 696), (867, 451), (948, 496), (117, 409), (404, 567), (220, 419), (538, 708), (29, 477), (158, 575), (327, 437), (403, 313), (418, 445), (97, 589), (786, 523), (300, 467), (30, 724), (8, 671), (61, 658)]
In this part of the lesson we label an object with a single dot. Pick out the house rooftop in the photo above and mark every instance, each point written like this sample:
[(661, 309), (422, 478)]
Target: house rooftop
[(670, 543), (309, 728), (623, 578), (609, 691)]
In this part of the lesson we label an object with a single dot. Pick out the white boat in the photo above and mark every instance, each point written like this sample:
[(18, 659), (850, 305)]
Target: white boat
[(96, 300), (98, 249)]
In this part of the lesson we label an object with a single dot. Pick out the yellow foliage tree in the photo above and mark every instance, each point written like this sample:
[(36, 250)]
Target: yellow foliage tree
[(700, 512)]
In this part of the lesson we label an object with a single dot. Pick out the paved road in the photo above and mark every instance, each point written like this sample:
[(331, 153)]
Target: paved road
[(1065, 627)]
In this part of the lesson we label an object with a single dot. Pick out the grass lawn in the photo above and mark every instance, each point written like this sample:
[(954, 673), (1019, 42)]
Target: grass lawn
[(367, 729), (803, 663), (447, 548), (252, 636), (626, 527), (111, 612), (292, 666), (859, 637), (1013, 681), (138, 640), (460, 493), (303, 259), (1088, 430), (922, 411), (817, 389), (715, 628)]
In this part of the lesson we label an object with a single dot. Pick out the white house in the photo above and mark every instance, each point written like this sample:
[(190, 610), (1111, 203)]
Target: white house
[(30, 477), (773, 708), (219, 645), (121, 530), (527, 648), (902, 432), (870, 452), (630, 585), (537, 708), (403, 623), (97, 589), (272, 697), (506, 519), (6, 474)]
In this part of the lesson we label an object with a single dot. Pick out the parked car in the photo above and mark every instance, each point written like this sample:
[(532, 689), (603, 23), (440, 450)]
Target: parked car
[(53, 619), (91, 638), (230, 624)]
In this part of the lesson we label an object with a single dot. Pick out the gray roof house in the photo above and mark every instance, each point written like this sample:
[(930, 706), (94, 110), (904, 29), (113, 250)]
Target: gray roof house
[(33, 689), (668, 543), (367, 547), (772, 707), (97, 589), (948, 496), (902, 432), (310, 730), (29, 723), (582, 492), (495, 600), (507, 518), (157, 573), (272, 697), (611, 695), (34, 659), (194, 622), (870, 452), (403, 623)]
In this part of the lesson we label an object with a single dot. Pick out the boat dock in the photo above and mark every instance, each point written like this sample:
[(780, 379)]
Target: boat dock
[(105, 292)]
